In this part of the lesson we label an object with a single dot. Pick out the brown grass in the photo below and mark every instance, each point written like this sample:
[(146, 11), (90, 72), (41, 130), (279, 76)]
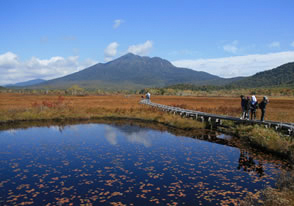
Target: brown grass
[(23, 106), (279, 108), (33, 107)]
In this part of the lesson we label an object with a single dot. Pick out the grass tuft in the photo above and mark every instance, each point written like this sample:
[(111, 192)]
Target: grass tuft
[(268, 139)]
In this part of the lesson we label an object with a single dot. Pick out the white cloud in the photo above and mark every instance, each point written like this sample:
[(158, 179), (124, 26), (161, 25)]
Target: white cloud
[(141, 49), (238, 65), (13, 70), (8, 60), (292, 44), (274, 44), (117, 23), (232, 47), (110, 51)]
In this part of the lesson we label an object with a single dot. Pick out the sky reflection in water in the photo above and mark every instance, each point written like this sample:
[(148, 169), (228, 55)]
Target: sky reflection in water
[(106, 164)]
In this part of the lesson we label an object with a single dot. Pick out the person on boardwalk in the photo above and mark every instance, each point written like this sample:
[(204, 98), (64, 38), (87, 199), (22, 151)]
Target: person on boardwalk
[(262, 107), (243, 104), (148, 96), (247, 108), (253, 107)]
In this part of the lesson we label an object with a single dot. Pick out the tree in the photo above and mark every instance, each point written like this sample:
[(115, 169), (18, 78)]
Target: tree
[(75, 90)]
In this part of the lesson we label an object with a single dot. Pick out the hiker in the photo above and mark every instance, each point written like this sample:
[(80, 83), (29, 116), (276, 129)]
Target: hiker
[(247, 108), (262, 107), (253, 107), (243, 103), (148, 96)]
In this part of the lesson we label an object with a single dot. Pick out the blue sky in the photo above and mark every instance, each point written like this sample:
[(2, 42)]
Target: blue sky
[(47, 39)]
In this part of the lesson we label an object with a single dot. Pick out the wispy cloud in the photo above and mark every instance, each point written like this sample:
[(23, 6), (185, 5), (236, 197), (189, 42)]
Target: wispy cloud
[(238, 65), (141, 49), (110, 51), (274, 44), (13, 70), (117, 23), (69, 38), (44, 39), (232, 47), (292, 44)]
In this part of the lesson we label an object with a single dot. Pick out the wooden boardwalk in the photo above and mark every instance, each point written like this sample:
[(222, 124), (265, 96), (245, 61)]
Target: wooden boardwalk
[(216, 120)]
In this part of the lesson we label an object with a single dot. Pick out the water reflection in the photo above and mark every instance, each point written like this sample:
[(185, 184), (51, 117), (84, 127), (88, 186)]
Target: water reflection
[(9, 132), (57, 128), (139, 137), (131, 134), (98, 164), (224, 136), (110, 134), (248, 164)]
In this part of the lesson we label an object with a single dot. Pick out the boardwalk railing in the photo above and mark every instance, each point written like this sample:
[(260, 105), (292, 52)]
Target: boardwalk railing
[(216, 120)]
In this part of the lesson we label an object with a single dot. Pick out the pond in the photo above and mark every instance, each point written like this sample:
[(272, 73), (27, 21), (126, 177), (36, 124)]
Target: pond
[(125, 165)]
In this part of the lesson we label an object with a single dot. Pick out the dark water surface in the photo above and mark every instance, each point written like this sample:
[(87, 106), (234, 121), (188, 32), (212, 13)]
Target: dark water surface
[(115, 165)]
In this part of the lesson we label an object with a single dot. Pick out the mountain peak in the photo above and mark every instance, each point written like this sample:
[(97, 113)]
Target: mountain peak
[(129, 55), (131, 58)]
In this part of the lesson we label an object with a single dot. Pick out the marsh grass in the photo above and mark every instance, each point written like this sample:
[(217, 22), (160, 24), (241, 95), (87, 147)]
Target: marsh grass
[(35, 107), (267, 139)]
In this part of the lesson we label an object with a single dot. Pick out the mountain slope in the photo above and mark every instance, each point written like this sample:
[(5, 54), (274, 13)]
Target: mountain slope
[(280, 76), (131, 72), (27, 83)]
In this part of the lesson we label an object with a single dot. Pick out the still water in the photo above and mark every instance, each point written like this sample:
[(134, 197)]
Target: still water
[(104, 164)]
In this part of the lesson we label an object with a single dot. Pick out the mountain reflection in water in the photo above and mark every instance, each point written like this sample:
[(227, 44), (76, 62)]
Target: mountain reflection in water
[(123, 164)]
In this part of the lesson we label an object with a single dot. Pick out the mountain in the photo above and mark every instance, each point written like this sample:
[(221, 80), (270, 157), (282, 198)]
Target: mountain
[(27, 83), (130, 72), (136, 72), (280, 76)]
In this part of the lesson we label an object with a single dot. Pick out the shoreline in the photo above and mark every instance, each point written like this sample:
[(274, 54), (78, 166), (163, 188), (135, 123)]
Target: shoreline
[(232, 130)]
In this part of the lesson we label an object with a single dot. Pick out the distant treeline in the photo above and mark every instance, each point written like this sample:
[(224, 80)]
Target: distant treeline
[(178, 90), (226, 90)]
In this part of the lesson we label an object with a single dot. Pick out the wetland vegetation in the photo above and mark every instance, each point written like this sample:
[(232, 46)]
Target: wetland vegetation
[(20, 110)]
